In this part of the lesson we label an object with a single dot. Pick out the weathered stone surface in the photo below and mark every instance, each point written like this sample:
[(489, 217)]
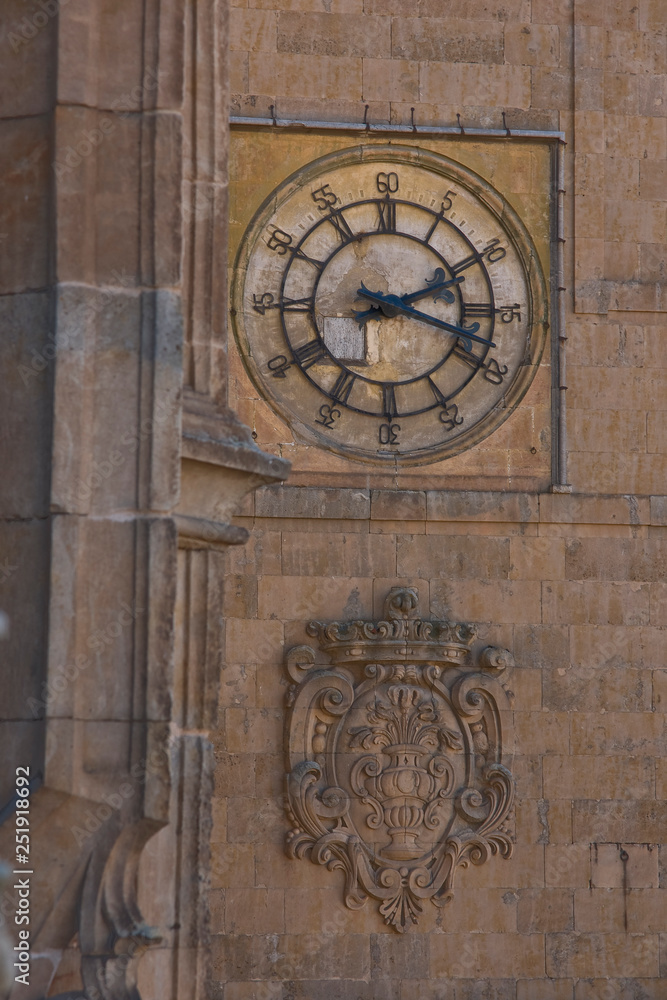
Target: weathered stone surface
[(24, 162)]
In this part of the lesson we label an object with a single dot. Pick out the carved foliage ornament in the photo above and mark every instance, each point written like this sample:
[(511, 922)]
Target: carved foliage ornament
[(395, 756)]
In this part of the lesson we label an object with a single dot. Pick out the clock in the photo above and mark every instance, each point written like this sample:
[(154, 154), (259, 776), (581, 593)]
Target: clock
[(389, 304)]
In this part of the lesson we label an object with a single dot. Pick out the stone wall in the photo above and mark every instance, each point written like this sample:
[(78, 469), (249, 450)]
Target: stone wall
[(571, 583)]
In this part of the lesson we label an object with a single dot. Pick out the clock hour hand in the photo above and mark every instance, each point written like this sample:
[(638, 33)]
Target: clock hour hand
[(391, 305), (437, 283)]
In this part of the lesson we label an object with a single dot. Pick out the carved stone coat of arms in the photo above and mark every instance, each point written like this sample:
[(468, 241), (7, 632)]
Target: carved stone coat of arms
[(397, 756)]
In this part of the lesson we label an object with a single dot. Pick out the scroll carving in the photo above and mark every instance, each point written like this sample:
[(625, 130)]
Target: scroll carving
[(397, 756)]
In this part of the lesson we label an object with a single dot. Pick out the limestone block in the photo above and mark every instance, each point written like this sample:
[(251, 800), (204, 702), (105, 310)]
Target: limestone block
[(618, 821), (549, 989), (533, 44), (594, 559), (651, 265), (625, 429), (476, 83), (23, 597), (403, 505), (591, 989), (390, 79), (449, 40), (601, 955), (252, 31), (595, 603), (567, 866), (28, 351), (254, 730), (498, 601), (287, 75), (290, 501), (550, 87), (163, 212), (115, 71), (341, 35), (579, 777), (453, 558), (538, 646), (652, 95), (355, 555), (290, 957), (232, 865), (97, 161), (595, 646), (234, 774), (255, 911), (600, 910), (22, 744), (545, 910), (537, 559), (619, 733), (524, 870), (24, 217), (625, 866), (311, 990), (587, 689), (481, 506), (302, 598), (484, 955), (253, 641), (466, 989), (101, 458), (405, 958), (622, 93), (490, 910), (29, 61), (92, 651)]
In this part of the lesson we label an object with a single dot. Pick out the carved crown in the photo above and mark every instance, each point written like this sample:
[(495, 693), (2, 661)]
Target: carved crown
[(402, 633)]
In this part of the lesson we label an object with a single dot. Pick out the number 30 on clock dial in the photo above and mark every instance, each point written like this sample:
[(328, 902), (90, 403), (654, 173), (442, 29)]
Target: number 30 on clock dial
[(388, 303)]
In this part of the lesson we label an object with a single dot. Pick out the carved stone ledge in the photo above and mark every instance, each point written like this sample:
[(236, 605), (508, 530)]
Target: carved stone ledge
[(220, 464), (397, 756)]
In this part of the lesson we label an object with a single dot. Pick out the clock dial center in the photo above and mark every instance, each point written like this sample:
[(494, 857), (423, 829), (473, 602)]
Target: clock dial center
[(384, 348)]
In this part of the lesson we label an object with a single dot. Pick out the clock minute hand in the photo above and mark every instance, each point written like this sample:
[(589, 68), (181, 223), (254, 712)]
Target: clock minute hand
[(390, 305)]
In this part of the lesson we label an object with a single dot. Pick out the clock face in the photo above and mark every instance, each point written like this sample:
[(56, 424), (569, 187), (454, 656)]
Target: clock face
[(389, 304)]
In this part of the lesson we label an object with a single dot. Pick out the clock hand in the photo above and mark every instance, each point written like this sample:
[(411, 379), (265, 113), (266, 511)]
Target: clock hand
[(390, 305), (436, 283)]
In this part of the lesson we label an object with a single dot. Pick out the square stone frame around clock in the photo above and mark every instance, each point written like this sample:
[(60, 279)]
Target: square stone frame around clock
[(518, 455)]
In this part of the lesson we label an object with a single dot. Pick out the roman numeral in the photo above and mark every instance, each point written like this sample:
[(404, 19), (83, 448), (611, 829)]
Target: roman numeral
[(343, 231), (467, 356), (343, 387), (436, 392), (389, 401), (295, 305), (310, 353), (482, 309), (464, 264), (302, 255), (386, 216)]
